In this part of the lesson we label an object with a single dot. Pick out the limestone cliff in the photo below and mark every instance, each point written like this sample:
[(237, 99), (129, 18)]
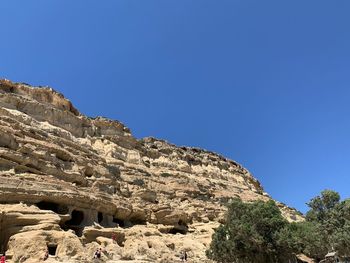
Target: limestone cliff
[(71, 184)]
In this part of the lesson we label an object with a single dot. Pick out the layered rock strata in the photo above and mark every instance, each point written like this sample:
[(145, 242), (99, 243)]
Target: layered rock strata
[(70, 184)]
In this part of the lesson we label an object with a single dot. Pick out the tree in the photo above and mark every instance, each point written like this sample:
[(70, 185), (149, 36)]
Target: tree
[(321, 206), (250, 234), (257, 232), (338, 225), (332, 217), (304, 237)]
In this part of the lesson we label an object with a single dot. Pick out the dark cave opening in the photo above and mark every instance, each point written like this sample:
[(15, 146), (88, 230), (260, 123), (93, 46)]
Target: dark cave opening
[(118, 221), (129, 222), (75, 222), (54, 207), (4, 239), (180, 228), (5, 232), (99, 217), (52, 249), (76, 219), (176, 230), (182, 223)]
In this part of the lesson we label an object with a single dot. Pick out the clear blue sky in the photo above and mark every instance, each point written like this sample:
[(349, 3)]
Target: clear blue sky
[(265, 83)]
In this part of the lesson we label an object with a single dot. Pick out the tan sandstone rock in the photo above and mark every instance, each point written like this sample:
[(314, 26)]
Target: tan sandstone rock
[(72, 184)]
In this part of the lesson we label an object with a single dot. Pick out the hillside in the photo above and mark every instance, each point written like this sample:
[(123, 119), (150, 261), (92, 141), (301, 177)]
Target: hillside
[(72, 184)]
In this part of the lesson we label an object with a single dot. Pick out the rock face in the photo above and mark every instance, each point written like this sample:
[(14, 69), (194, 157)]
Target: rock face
[(70, 184)]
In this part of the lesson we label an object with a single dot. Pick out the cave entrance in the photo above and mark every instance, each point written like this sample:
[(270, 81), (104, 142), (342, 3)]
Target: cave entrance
[(75, 222), (52, 249), (128, 223), (76, 219), (180, 228), (54, 207), (99, 217), (4, 233), (4, 239), (176, 230), (118, 221), (124, 223)]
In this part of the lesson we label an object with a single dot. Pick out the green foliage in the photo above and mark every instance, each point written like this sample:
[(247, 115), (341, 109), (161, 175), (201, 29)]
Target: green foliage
[(333, 216), (257, 232), (327, 227), (250, 234), (322, 206), (304, 237), (337, 227)]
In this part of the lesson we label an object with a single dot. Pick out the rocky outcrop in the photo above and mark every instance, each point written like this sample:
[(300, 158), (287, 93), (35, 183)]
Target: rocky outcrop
[(70, 184)]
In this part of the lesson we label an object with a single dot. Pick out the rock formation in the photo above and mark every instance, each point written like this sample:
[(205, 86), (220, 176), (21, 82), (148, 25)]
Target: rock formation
[(70, 184)]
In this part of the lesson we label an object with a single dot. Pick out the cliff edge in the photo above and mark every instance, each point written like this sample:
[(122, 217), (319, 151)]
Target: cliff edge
[(70, 184)]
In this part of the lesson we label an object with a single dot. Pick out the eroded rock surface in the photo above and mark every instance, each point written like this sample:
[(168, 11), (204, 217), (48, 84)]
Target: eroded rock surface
[(72, 184)]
